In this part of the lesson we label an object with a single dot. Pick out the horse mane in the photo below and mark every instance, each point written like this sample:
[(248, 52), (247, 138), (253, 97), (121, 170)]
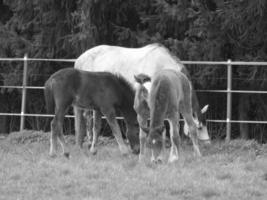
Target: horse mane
[(128, 90)]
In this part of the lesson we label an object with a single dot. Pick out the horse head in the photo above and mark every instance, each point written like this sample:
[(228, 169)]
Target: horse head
[(155, 141), (200, 120)]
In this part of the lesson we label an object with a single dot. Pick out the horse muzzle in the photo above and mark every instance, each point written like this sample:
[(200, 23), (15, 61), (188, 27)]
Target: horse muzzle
[(205, 142)]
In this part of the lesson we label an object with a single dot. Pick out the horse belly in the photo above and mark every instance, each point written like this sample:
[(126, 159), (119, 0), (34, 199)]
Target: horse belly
[(84, 103)]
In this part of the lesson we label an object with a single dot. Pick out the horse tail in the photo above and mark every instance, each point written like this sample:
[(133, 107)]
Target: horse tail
[(49, 97), (142, 78)]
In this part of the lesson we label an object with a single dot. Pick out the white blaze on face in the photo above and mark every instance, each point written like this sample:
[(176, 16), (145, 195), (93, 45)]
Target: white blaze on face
[(147, 85)]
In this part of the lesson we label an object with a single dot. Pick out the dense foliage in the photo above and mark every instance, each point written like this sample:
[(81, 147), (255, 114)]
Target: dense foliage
[(211, 30)]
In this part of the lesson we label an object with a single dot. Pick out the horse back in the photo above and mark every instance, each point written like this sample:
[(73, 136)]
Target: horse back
[(128, 61), (105, 89), (172, 88), (67, 79), (90, 89)]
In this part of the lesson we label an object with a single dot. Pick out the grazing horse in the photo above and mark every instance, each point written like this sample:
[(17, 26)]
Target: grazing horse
[(129, 62), (170, 95), (101, 91)]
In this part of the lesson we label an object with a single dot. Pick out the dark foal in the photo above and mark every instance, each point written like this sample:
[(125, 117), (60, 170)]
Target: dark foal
[(103, 92), (170, 95)]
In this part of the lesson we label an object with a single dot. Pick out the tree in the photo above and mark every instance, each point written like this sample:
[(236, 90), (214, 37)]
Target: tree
[(192, 30)]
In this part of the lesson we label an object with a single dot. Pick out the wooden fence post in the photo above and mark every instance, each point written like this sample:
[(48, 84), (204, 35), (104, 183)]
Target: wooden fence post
[(24, 90), (229, 101)]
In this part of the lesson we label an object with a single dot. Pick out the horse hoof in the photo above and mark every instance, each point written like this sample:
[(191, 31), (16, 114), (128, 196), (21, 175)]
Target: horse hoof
[(207, 142), (154, 162), (52, 155), (173, 159), (93, 151), (67, 155), (157, 161), (125, 154)]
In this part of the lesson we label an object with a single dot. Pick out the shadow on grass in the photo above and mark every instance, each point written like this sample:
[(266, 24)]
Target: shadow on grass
[(210, 193)]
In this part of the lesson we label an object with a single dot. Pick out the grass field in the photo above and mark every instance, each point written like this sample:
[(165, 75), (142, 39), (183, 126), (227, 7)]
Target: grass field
[(237, 170)]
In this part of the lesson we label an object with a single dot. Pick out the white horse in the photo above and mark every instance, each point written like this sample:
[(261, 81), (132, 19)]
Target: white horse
[(129, 62)]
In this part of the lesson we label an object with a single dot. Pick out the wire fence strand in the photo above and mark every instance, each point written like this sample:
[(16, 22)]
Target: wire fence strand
[(201, 63)]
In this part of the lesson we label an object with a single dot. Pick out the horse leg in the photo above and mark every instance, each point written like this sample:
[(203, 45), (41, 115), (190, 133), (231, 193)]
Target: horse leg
[(63, 143), (89, 125), (192, 132), (142, 137), (163, 144), (159, 158), (96, 130), (111, 119), (175, 139), (61, 138), (58, 130), (80, 126), (53, 137)]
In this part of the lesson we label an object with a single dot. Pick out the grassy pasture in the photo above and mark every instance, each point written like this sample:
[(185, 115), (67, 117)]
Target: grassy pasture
[(237, 170)]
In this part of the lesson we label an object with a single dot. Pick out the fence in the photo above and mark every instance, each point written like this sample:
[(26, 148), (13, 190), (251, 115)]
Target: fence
[(228, 90)]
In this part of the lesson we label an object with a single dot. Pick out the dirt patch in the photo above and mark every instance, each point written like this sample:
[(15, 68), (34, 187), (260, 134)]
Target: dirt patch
[(236, 146), (29, 137)]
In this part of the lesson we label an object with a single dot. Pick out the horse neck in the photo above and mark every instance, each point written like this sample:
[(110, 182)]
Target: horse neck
[(129, 115), (195, 105), (156, 122), (156, 119), (158, 105)]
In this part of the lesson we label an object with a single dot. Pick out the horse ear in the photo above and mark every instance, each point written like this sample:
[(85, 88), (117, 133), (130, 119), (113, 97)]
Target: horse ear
[(204, 109), (139, 78), (142, 78)]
